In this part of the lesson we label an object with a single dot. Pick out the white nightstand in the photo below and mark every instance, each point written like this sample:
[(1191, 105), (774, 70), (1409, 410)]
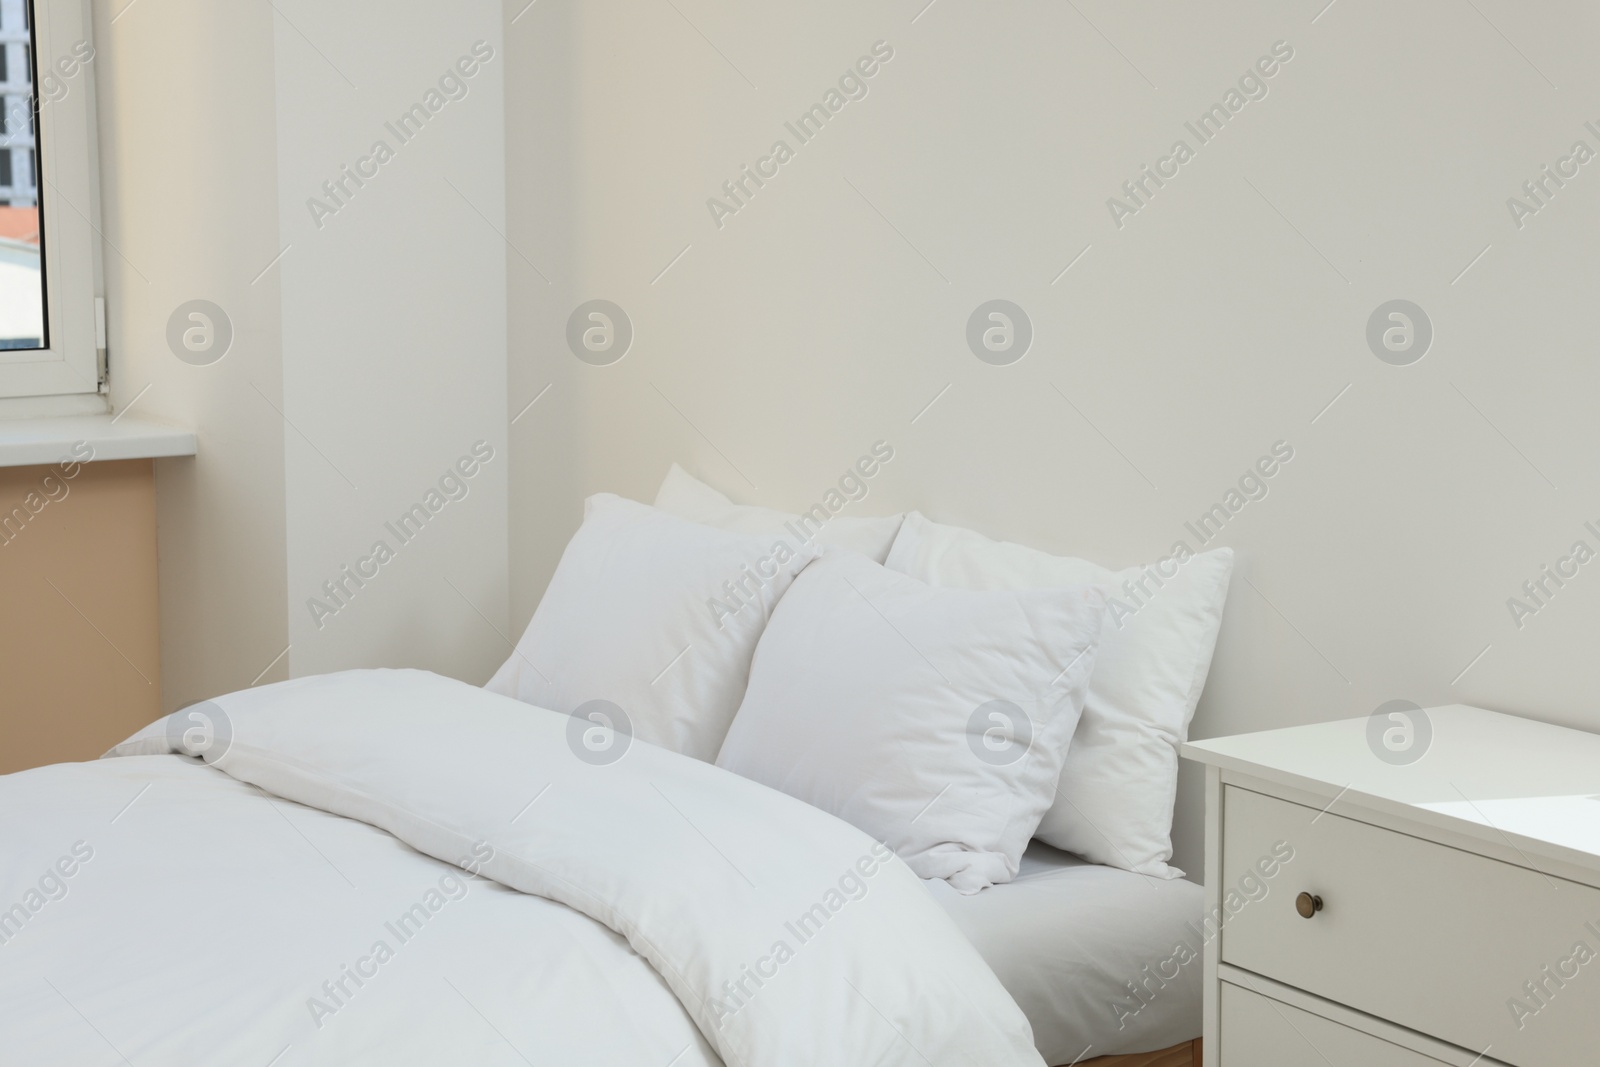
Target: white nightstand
[(1451, 903)]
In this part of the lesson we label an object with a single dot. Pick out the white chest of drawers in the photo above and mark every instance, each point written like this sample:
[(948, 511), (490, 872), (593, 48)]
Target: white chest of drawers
[(1370, 908)]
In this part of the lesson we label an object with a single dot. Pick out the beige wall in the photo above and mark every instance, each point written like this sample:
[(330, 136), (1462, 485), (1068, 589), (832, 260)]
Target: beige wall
[(1224, 316), (80, 664), (188, 162), (397, 366), (394, 331), (368, 354)]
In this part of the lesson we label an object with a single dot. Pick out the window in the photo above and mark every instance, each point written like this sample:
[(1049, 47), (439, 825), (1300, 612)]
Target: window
[(50, 337)]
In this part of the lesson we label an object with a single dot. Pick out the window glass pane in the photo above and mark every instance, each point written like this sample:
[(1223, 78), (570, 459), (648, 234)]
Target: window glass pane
[(22, 294)]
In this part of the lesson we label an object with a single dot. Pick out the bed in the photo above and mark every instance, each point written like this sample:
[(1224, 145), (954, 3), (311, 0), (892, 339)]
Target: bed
[(891, 794), (1071, 941), (531, 908)]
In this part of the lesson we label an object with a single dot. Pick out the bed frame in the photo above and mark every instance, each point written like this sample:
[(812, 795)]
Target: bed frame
[(1184, 1055)]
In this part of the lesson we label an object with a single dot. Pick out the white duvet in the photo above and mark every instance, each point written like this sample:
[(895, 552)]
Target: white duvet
[(530, 907)]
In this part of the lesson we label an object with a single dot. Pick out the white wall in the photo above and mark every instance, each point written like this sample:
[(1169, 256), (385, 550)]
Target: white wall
[(394, 332), (1221, 318), (188, 169), (373, 350)]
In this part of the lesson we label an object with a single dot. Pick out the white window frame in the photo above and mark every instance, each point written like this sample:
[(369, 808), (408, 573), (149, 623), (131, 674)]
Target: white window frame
[(69, 198)]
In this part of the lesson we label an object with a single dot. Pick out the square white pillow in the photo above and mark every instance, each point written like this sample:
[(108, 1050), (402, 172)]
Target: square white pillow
[(685, 495), (1115, 800), (658, 616), (936, 720)]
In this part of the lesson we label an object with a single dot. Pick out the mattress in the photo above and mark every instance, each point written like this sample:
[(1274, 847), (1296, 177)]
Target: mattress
[(1102, 961)]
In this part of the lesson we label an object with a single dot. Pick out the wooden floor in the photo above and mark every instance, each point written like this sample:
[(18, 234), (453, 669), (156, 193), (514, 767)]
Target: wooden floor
[(1184, 1055)]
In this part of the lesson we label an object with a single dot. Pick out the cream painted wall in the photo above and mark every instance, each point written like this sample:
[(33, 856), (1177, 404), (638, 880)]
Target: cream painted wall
[(394, 333), (1227, 314), (188, 183), (367, 357)]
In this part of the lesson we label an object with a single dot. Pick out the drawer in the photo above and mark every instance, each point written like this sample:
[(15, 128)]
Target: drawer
[(1258, 1032), (1475, 952)]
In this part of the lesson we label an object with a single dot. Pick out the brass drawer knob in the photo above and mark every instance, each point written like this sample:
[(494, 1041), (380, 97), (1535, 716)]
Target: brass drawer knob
[(1307, 905)]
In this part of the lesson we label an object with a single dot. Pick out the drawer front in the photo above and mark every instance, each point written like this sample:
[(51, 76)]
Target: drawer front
[(1475, 952), (1257, 1032)]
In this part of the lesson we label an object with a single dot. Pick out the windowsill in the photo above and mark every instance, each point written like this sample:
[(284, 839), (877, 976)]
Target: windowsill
[(35, 442)]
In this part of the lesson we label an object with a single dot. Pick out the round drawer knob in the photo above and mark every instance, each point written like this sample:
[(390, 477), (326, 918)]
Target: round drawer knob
[(1307, 905)]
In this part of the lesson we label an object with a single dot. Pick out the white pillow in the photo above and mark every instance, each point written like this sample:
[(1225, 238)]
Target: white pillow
[(685, 495), (1121, 777), (658, 616), (936, 720)]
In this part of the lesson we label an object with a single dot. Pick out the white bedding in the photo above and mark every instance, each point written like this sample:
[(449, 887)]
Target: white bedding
[(208, 916), (1066, 937), (213, 923)]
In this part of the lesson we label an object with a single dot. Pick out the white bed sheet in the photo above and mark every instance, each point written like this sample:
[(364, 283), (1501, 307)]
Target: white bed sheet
[(1072, 940)]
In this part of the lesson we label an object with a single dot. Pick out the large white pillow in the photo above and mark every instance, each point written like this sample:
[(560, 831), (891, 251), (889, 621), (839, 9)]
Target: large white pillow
[(936, 720), (685, 495), (1115, 800), (658, 616)]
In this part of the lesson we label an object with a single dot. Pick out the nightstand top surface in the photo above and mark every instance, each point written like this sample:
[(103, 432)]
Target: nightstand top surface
[(1496, 777)]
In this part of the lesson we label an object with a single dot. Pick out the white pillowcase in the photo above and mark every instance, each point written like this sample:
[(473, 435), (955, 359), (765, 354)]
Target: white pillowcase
[(655, 614), (936, 720), (685, 495), (1121, 777)]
